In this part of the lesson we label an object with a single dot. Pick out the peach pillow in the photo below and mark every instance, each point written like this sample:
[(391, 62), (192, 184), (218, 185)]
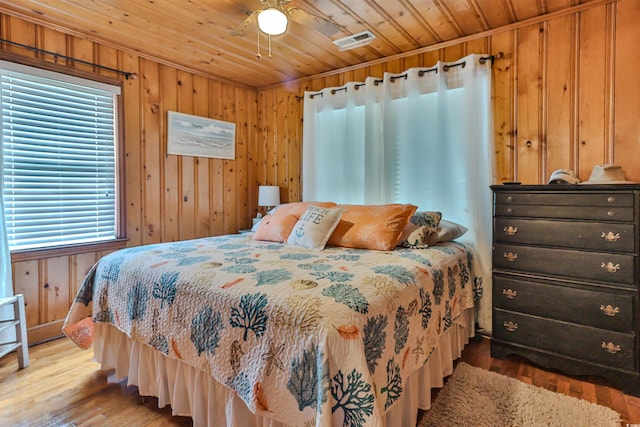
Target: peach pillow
[(276, 226), (377, 227)]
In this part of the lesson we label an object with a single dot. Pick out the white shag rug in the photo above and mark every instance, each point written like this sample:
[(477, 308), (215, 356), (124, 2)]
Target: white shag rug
[(477, 397)]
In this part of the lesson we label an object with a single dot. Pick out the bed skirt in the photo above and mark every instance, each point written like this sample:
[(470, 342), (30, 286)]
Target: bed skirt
[(193, 393)]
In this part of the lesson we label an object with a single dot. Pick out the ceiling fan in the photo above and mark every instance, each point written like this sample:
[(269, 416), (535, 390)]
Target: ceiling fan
[(273, 18)]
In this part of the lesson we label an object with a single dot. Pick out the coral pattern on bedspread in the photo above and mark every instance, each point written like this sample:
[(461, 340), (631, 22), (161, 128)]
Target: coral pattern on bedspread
[(303, 336)]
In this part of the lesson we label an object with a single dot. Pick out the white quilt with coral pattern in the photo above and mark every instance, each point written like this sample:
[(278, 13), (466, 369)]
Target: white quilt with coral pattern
[(303, 336)]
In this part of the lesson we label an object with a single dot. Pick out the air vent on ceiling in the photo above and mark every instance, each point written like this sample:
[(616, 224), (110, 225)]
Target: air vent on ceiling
[(355, 40)]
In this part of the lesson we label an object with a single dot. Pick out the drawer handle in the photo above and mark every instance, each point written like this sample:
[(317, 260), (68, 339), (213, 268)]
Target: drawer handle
[(611, 347), (510, 230), (611, 214), (609, 310), (509, 293), (509, 210), (510, 256), (510, 326), (610, 267), (610, 237), (611, 199), (510, 198)]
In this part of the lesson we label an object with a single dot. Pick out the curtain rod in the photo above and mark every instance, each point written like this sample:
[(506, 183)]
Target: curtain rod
[(127, 75), (421, 73)]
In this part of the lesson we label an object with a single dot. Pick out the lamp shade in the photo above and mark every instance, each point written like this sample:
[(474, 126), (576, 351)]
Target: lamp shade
[(268, 195), (272, 21)]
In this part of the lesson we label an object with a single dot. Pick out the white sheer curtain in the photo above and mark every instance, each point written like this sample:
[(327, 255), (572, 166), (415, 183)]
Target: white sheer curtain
[(420, 137), (6, 283)]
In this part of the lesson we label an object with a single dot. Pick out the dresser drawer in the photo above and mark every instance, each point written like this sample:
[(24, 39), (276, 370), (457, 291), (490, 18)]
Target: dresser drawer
[(594, 266), (581, 342), (612, 311), (565, 198), (602, 236), (597, 213)]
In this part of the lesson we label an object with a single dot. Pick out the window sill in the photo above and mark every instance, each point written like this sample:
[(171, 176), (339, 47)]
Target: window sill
[(57, 251)]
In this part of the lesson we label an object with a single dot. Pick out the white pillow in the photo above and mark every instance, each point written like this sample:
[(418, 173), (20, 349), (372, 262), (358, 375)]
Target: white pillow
[(314, 227), (446, 231)]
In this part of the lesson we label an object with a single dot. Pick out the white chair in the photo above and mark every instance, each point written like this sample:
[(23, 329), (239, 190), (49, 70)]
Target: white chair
[(18, 321)]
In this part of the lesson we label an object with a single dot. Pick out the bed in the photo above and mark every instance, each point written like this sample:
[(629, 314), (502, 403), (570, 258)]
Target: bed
[(235, 331)]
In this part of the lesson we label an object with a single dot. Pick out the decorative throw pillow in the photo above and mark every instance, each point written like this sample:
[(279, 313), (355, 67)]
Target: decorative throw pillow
[(447, 230), (277, 225), (314, 227), (426, 219), (377, 227), (421, 225), (275, 228), (256, 221)]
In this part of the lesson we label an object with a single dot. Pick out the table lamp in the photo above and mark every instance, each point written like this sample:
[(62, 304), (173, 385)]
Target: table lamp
[(269, 196)]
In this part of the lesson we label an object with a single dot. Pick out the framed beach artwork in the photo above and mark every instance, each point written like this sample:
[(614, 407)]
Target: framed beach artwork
[(200, 136)]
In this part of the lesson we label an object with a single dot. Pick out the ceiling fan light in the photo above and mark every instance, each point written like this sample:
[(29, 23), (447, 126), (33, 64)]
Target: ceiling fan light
[(272, 21)]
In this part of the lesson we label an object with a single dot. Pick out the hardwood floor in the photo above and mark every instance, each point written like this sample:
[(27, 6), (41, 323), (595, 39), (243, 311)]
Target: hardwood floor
[(64, 387)]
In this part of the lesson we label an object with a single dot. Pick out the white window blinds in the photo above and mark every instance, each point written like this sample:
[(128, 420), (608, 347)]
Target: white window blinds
[(58, 158)]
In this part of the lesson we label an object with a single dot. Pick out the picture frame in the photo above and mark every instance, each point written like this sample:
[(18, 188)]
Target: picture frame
[(190, 135)]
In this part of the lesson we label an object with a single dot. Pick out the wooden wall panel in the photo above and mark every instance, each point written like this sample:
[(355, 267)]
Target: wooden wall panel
[(479, 45), (626, 149), (83, 49), (186, 164), (216, 177), (168, 197), (431, 58), (229, 215), (592, 102), (410, 62), (22, 32), (26, 281), (152, 190), (56, 274), (560, 94), (54, 41), (267, 157), (503, 107), (82, 263), (242, 203), (565, 92), (252, 155), (295, 146), (170, 181), (280, 140), (202, 196), (134, 155), (528, 85)]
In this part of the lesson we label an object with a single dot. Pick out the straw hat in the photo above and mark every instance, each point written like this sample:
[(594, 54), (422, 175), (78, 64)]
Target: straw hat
[(607, 174)]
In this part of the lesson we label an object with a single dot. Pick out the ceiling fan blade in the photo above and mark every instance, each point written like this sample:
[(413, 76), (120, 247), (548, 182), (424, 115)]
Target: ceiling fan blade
[(315, 22), (251, 20)]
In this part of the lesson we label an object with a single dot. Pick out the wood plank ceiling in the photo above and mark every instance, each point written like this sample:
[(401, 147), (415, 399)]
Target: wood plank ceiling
[(196, 34)]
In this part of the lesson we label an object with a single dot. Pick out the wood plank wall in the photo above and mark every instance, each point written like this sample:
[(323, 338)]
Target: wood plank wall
[(168, 197), (566, 95)]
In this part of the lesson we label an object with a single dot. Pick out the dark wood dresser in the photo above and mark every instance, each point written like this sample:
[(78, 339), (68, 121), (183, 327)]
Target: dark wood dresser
[(566, 277)]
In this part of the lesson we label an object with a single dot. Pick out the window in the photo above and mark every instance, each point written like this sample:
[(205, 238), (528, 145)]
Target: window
[(424, 137), (59, 158)]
